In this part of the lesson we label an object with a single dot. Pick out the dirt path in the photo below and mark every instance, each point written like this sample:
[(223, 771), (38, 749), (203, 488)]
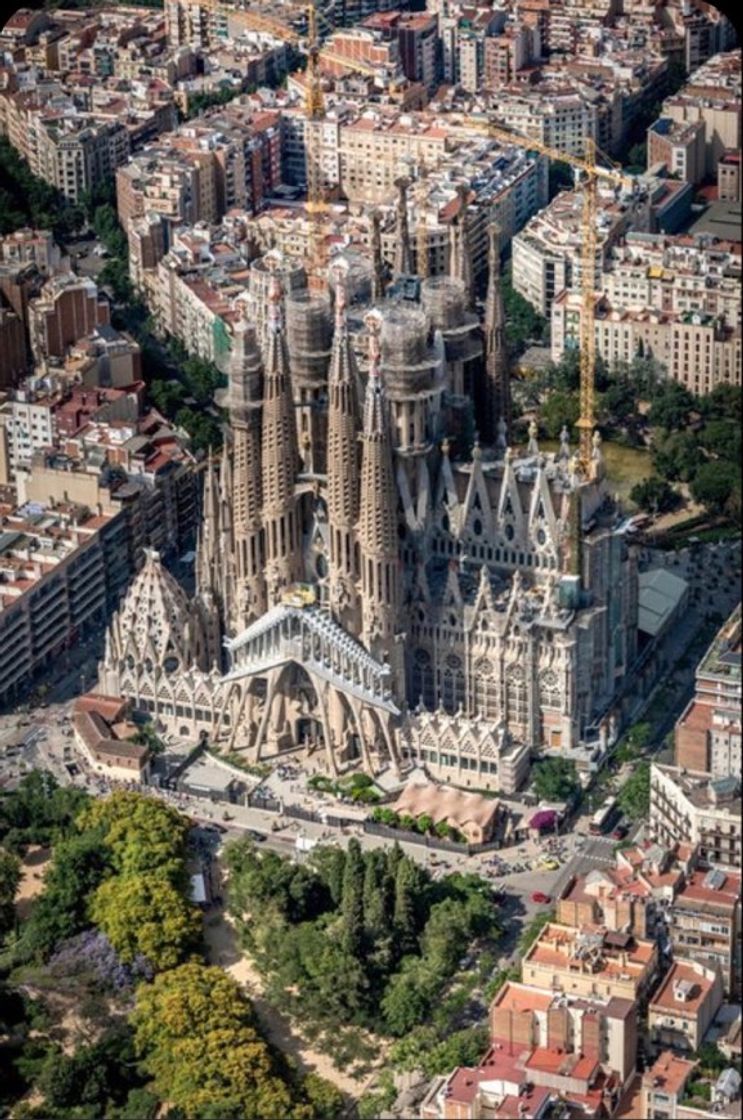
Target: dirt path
[(32, 879), (223, 950)]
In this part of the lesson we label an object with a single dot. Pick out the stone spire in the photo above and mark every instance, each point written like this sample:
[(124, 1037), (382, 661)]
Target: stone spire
[(464, 263), (207, 566), (377, 261), (380, 566), (279, 455), (497, 381), (248, 599), (343, 461), (403, 254)]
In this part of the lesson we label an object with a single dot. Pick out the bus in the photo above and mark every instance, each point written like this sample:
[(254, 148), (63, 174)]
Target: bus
[(603, 817)]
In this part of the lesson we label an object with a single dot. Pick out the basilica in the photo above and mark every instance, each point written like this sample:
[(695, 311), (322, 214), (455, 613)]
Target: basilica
[(381, 580)]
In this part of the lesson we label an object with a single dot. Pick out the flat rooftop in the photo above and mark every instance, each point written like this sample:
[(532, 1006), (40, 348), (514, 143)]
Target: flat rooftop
[(720, 219)]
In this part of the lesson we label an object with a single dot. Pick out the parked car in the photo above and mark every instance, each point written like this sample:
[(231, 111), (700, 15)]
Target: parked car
[(540, 898), (257, 836)]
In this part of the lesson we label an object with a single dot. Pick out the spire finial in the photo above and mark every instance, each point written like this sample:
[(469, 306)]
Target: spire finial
[(273, 261), (564, 443), (339, 271), (476, 449), (445, 447), (373, 323)]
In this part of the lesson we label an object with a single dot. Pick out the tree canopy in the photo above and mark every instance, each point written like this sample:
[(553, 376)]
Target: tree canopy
[(196, 1035), (363, 938), (634, 796), (555, 779)]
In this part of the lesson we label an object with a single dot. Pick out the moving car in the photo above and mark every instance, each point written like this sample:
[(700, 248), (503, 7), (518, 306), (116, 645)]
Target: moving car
[(549, 864), (540, 898)]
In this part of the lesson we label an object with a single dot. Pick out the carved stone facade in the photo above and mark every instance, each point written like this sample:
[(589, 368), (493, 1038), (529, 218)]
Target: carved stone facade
[(421, 599)]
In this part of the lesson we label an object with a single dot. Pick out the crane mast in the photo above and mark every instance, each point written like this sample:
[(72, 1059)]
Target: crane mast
[(314, 105), (591, 172)]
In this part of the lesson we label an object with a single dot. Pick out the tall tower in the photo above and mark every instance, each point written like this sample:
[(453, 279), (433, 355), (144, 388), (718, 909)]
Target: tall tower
[(380, 562), (403, 255), (208, 567), (248, 600), (497, 402), (343, 464), (279, 456)]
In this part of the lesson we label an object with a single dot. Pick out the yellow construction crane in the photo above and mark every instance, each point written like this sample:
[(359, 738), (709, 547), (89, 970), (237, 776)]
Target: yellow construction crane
[(591, 172)]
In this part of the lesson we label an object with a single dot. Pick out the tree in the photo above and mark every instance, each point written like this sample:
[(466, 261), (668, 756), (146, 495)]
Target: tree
[(79, 866), (404, 917), (144, 914), (634, 796), (409, 996), (654, 495), (10, 877), (561, 409), (195, 1032), (324, 1100), (38, 811), (671, 406), (352, 901), (523, 323), (376, 911), (676, 456), (714, 484), (721, 439), (144, 834), (555, 779)]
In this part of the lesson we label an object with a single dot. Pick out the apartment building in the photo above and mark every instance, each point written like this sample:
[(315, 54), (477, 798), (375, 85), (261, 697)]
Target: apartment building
[(698, 350), (14, 364), (697, 810), (704, 925), (67, 308), (675, 274), (555, 113), (712, 96), (684, 1005), (31, 247), (679, 147), (708, 734), (61, 571), (632, 896), (547, 251), (417, 40), (583, 963), (728, 177), (40, 417), (202, 170), (548, 1051)]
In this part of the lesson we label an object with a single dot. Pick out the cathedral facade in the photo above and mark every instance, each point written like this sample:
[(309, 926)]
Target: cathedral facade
[(380, 578)]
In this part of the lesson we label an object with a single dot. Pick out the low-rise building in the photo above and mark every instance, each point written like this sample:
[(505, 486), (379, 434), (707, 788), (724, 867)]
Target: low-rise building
[(591, 963), (470, 814), (104, 735), (684, 1005)]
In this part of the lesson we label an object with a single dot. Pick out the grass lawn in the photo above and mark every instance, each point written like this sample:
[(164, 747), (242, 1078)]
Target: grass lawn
[(624, 465)]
